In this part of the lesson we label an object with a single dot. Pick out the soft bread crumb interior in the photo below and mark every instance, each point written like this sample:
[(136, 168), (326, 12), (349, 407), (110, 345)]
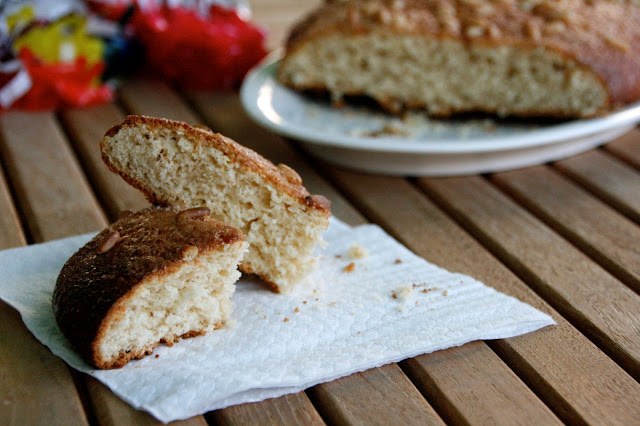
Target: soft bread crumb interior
[(281, 231), (194, 299), (445, 76)]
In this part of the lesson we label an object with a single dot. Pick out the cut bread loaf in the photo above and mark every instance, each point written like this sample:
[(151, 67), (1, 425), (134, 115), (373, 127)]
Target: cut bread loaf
[(152, 277), (175, 164), (565, 58)]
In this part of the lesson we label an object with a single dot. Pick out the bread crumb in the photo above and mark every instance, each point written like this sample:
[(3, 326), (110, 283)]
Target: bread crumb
[(445, 292), (157, 356), (338, 256), (402, 293), (356, 251), (332, 303), (286, 319), (297, 309), (304, 302), (350, 267), (398, 261)]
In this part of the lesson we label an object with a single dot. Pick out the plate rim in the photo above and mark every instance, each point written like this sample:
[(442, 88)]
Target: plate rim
[(262, 76)]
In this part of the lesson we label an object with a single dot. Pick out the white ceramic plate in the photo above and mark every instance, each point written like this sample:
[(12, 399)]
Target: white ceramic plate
[(366, 139)]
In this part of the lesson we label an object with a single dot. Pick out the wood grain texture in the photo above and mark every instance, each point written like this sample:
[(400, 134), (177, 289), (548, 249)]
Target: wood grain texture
[(598, 304), (112, 411), (627, 148), (32, 379), (481, 379), (609, 179), (573, 377), (11, 235), (144, 96), (377, 396), (46, 177), (594, 227), (86, 128), (294, 409), (278, 16)]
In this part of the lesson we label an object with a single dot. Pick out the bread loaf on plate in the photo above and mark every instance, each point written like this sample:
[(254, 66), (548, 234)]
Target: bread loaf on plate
[(175, 164), (564, 58), (152, 277)]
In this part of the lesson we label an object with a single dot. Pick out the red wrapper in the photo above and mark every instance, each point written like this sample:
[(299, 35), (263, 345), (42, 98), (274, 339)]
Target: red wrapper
[(54, 86), (213, 52)]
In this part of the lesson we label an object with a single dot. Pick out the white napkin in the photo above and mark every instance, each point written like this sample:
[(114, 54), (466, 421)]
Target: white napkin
[(393, 305)]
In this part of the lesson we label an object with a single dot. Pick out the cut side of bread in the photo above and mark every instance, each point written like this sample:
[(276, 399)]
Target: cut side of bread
[(152, 277), (564, 58), (446, 76), (177, 165)]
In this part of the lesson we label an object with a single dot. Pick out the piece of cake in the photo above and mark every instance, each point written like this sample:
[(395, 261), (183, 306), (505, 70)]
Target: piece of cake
[(561, 58), (152, 277), (175, 164)]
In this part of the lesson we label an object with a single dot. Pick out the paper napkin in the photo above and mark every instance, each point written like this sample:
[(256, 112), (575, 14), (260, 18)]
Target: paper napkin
[(370, 302)]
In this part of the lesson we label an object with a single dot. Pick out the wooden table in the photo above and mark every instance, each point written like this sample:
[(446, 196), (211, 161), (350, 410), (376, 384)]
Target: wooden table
[(563, 237)]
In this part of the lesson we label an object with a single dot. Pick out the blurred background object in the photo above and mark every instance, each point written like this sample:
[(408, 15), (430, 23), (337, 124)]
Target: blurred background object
[(57, 54)]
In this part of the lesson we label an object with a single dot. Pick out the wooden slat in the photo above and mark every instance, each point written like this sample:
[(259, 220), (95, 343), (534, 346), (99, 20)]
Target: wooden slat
[(627, 148), (289, 409), (612, 181), (599, 305), (278, 16), (154, 98), (11, 234), (86, 128), (486, 391), (56, 200), (33, 380), (226, 114), (356, 399), (595, 228), (46, 178), (572, 376), (112, 411)]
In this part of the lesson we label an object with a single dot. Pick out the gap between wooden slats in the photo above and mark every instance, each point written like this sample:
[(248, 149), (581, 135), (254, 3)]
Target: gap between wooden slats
[(572, 376), (57, 202), (476, 386), (627, 148), (595, 228), (595, 302), (614, 182)]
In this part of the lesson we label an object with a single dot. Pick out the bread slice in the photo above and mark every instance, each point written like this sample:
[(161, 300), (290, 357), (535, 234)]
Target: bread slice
[(565, 58), (175, 164), (152, 277)]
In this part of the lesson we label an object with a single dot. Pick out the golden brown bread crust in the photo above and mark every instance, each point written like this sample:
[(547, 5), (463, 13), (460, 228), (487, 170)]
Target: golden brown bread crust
[(603, 36), (99, 277), (280, 177)]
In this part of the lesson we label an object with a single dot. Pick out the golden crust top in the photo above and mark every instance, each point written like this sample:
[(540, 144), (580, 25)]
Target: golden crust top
[(282, 177), (601, 35), (152, 242)]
